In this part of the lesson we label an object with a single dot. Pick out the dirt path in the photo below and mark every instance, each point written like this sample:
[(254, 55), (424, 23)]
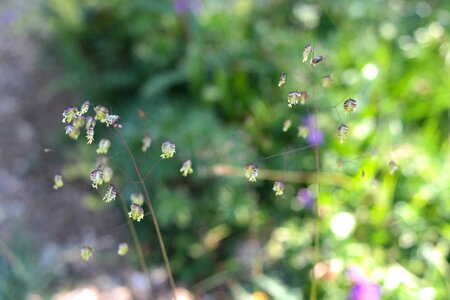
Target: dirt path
[(50, 225)]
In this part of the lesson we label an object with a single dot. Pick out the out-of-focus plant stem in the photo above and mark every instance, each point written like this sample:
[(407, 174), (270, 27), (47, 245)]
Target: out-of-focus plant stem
[(134, 236), (327, 178), (316, 245), (152, 212)]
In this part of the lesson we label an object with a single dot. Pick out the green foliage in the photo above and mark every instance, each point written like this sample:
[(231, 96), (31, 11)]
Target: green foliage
[(21, 274), (208, 83)]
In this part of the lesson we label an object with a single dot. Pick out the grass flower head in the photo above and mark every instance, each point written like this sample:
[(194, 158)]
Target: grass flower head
[(123, 249), (96, 178), (103, 146), (278, 188), (137, 198), (110, 194), (186, 169), (251, 172), (86, 253), (167, 149), (136, 212), (58, 182)]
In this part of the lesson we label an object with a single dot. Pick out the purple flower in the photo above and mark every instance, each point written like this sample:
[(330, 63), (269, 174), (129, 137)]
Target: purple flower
[(369, 291), (305, 198), (314, 138), (184, 6), (363, 287), (8, 17)]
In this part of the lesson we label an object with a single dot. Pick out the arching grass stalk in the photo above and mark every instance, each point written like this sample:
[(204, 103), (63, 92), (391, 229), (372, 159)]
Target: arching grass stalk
[(316, 233), (152, 213)]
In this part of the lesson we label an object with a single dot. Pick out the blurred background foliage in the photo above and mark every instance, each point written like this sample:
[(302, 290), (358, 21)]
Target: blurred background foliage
[(206, 75)]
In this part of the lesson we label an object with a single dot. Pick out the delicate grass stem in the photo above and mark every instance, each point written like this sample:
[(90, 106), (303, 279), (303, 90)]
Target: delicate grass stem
[(134, 236), (337, 111), (152, 212), (328, 178), (284, 153), (316, 233)]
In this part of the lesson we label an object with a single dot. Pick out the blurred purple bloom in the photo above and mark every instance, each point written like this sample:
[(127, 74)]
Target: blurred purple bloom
[(363, 288), (305, 198), (184, 6), (368, 291), (313, 137), (8, 17)]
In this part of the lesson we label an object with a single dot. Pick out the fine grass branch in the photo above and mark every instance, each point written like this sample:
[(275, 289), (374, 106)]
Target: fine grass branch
[(152, 213)]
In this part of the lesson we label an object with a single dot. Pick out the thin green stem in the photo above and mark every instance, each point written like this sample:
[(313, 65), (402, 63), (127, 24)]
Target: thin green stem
[(152, 212), (316, 233), (134, 236)]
